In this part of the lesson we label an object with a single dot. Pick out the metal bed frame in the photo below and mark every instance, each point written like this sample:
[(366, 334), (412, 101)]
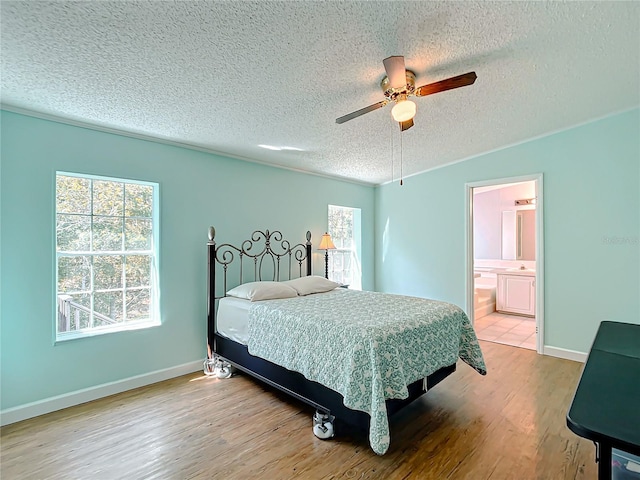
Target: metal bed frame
[(263, 250)]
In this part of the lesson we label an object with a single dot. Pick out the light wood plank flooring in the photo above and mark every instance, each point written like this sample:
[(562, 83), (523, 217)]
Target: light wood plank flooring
[(509, 424)]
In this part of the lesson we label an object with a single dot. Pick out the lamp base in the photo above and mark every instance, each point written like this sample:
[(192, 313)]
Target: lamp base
[(326, 264)]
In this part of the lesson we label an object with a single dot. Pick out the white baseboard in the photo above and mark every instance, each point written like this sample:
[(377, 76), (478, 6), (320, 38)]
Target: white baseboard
[(564, 353), (34, 409)]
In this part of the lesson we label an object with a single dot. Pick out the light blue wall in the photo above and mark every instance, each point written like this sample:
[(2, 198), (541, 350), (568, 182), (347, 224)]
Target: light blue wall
[(592, 200), (196, 190), (591, 226)]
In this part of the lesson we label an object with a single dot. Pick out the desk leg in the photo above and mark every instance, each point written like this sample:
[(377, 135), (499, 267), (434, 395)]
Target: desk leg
[(604, 461)]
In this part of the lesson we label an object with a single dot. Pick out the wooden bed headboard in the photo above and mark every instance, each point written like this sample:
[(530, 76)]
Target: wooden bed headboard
[(266, 255)]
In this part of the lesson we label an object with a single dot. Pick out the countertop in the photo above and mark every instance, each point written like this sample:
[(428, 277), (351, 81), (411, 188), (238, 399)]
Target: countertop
[(527, 272)]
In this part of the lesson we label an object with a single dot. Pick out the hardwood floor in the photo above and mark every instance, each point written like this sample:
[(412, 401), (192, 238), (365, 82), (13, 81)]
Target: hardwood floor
[(509, 424)]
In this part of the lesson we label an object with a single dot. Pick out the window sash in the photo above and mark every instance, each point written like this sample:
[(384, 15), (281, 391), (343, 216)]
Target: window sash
[(115, 292), (344, 260)]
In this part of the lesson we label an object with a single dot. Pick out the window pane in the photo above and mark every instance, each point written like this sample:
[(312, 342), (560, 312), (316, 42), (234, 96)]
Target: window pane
[(138, 271), (74, 274), (107, 272), (138, 302), (73, 195), (137, 234), (79, 314), (138, 200), (73, 312), (107, 234), (108, 198), (107, 308), (341, 226), (73, 233)]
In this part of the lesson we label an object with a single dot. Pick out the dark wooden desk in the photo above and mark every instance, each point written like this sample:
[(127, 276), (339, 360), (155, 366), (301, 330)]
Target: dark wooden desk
[(606, 405)]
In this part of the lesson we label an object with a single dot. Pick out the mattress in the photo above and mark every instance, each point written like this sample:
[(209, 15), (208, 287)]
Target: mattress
[(232, 319)]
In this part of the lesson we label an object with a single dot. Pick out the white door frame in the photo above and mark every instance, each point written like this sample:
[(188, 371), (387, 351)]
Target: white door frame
[(537, 178)]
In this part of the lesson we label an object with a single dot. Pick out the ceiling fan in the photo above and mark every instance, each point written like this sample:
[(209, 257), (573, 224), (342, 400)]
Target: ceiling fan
[(399, 84)]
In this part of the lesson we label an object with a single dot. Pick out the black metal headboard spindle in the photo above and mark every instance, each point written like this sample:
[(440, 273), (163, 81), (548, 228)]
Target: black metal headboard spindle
[(225, 254)]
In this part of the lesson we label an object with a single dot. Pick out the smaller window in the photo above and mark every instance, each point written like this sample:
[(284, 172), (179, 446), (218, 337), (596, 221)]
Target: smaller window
[(345, 231), (106, 255)]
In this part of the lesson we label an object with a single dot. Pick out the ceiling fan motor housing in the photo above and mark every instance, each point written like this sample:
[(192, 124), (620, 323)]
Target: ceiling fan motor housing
[(393, 93)]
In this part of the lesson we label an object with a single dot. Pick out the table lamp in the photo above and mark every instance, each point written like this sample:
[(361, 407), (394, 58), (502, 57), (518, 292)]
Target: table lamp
[(326, 244)]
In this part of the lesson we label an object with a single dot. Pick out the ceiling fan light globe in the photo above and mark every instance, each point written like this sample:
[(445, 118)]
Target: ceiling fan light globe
[(403, 111)]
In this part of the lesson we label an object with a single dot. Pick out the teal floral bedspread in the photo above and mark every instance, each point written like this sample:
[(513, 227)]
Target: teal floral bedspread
[(368, 346)]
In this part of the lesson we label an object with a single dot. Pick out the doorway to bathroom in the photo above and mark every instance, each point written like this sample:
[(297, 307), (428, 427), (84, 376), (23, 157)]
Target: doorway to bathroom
[(505, 278)]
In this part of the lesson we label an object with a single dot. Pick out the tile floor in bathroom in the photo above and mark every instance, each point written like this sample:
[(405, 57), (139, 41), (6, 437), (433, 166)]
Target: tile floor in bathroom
[(507, 329)]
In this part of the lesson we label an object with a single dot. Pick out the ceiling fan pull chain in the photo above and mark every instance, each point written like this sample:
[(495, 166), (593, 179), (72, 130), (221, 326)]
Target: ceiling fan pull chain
[(401, 183), (392, 155)]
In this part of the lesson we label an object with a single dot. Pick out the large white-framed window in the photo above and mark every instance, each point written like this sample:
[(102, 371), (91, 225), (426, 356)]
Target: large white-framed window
[(106, 255), (344, 261)]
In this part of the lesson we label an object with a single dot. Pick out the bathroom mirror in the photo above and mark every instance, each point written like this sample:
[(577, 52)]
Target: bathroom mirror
[(519, 235)]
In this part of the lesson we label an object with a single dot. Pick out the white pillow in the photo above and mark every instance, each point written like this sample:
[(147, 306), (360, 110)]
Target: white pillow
[(311, 284), (266, 290)]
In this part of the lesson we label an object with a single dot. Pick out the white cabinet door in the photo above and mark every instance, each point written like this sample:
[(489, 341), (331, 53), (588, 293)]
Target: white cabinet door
[(516, 294)]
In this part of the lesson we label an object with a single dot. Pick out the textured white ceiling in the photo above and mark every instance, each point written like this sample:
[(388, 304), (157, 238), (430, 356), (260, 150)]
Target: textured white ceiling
[(229, 76)]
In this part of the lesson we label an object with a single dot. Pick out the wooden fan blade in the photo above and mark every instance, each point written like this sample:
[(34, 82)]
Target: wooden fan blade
[(448, 84), (406, 125), (396, 72), (362, 111)]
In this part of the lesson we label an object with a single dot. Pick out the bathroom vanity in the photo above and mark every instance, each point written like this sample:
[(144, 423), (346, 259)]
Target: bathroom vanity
[(516, 291)]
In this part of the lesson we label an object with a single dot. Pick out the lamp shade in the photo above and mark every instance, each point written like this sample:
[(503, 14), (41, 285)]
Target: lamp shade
[(403, 111), (326, 243)]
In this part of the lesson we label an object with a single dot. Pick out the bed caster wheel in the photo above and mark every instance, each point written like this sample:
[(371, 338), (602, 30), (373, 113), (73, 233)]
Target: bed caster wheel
[(216, 367), (323, 431), (209, 366), (224, 371), (323, 425)]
